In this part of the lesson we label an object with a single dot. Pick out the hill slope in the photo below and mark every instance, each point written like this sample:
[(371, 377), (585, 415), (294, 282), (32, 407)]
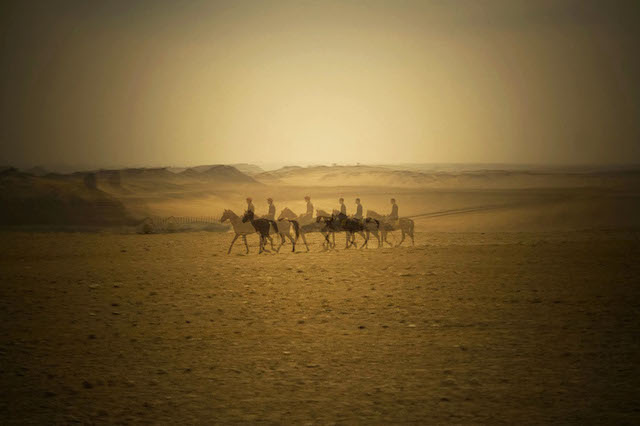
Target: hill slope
[(477, 179), (31, 200)]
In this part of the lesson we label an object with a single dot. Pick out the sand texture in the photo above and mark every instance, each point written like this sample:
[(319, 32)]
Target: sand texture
[(464, 328)]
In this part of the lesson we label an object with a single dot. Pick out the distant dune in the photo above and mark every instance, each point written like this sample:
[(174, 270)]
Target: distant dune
[(475, 179), (56, 201), (474, 199), (248, 169), (163, 180), (220, 173), (37, 171)]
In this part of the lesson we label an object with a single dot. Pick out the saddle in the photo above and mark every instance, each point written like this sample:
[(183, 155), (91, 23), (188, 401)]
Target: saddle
[(305, 219)]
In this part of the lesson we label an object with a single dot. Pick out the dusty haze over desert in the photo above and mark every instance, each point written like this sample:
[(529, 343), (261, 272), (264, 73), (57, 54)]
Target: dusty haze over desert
[(507, 290)]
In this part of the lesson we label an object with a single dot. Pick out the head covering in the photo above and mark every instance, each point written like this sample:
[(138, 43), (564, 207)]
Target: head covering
[(341, 199), (357, 200), (306, 197), (269, 199), (249, 199), (393, 200)]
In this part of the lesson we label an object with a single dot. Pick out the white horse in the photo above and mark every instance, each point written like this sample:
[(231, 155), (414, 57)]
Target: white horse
[(240, 228), (404, 224), (285, 226), (303, 224)]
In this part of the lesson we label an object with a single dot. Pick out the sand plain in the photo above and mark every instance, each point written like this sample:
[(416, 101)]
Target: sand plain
[(465, 327), (518, 304)]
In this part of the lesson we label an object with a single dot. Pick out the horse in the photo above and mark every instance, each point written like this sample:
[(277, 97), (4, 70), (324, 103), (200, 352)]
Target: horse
[(341, 222), (239, 227), (301, 227), (404, 224), (372, 226), (262, 227), (283, 228), (326, 230)]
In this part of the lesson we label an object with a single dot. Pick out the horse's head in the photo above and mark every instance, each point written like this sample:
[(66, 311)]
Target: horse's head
[(248, 216), (373, 214), (286, 213), (225, 216)]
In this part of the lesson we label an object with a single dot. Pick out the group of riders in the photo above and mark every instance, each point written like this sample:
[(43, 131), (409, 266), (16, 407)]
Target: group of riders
[(325, 223), (328, 224), (341, 211)]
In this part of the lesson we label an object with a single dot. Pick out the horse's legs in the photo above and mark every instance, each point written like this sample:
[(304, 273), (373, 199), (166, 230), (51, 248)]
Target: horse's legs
[(326, 244), (232, 242), (413, 241), (244, 238), (265, 237), (326, 237), (349, 236), (375, 234), (386, 234), (401, 239), (281, 242), (293, 242), (304, 239), (366, 240)]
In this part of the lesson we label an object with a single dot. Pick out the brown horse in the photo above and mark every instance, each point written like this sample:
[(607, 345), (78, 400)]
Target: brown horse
[(262, 227), (339, 222)]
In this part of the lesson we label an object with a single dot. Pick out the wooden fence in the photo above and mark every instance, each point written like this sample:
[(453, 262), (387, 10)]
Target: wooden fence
[(153, 224), (185, 220)]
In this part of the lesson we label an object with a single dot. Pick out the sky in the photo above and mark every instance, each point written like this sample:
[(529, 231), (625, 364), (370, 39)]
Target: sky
[(168, 83)]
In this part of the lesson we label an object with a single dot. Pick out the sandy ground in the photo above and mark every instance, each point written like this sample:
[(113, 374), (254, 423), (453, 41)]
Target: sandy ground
[(462, 328)]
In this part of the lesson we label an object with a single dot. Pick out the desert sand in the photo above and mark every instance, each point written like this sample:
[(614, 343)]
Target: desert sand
[(463, 327), (518, 304)]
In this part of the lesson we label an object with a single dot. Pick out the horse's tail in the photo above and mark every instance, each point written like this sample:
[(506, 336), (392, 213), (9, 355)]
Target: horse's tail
[(275, 226), (296, 227)]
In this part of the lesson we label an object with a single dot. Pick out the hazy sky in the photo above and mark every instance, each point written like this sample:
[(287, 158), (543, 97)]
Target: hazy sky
[(130, 83)]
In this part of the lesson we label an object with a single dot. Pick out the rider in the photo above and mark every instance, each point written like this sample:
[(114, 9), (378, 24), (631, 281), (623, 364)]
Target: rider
[(343, 208), (250, 206), (309, 214), (394, 210), (358, 214), (272, 210)]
